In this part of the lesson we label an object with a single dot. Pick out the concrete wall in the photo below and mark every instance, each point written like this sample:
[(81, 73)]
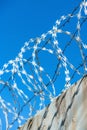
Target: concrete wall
[(67, 112)]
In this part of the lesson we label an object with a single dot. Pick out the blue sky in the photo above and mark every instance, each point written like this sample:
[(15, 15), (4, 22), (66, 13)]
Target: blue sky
[(24, 19), (21, 20)]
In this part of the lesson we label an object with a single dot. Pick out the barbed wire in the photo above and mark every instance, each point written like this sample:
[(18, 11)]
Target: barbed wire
[(31, 80)]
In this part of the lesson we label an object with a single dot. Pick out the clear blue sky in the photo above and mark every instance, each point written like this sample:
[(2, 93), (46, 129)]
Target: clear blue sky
[(21, 20)]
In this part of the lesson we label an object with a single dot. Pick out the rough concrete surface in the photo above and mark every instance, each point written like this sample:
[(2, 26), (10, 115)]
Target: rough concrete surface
[(67, 111)]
